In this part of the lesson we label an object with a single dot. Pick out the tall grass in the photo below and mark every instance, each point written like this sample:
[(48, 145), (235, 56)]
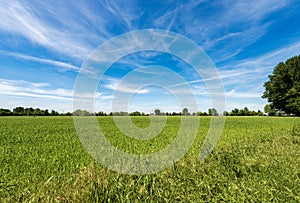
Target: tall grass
[(257, 160)]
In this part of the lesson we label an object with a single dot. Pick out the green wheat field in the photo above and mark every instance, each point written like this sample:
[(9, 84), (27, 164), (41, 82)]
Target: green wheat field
[(256, 160)]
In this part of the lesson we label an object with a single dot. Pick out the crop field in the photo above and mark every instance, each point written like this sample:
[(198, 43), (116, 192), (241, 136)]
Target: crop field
[(257, 159)]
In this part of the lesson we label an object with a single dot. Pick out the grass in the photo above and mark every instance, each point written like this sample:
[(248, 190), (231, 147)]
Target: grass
[(256, 160)]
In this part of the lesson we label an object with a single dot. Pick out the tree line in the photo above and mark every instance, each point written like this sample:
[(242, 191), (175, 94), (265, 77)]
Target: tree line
[(21, 111)]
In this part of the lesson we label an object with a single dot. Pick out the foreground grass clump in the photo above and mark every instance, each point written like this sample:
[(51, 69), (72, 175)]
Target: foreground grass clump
[(257, 160)]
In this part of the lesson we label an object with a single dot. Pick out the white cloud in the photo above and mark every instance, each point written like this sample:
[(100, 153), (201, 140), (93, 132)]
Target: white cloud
[(24, 93), (128, 12), (119, 85), (214, 33), (235, 94), (23, 19), (64, 66), (29, 89)]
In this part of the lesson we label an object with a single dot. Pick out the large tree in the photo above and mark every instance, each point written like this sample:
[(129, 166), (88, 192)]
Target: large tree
[(283, 88), (185, 112)]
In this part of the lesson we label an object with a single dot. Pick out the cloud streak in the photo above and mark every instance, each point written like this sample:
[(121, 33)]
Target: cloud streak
[(22, 19), (63, 66), (29, 89)]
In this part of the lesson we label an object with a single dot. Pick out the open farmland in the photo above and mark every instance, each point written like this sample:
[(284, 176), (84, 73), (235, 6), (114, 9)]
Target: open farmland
[(256, 160)]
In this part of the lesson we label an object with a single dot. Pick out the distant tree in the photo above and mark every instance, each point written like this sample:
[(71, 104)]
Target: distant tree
[(157, 112), (234, 112), (54, 113), (185, 112), (241, 112), (37, 112), (5, 112), (122, 113), (116, 113), (246, 111), (259, 113), (48, 114), (225, 113), (269, 109), (135, 113), (19, 111), (252, 113), (29, 111), (68, 114), (283, 88), (199, 113), (78, 112), (212, 112)]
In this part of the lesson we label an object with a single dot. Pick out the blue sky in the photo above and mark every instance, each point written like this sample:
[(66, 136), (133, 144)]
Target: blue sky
[(44, 44)]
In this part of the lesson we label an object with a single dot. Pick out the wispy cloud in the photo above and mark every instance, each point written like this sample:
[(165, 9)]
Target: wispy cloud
[(29, 89), (43, 90), (63, 66), (245, 78), (214, 31), (118, 86), (22, 19), (235, 94), (128, 13)]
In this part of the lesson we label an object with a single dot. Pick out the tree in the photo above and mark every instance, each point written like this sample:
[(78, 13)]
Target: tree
[(78, 112), (185, 112), (283, 88), (234, 112), (269, 109), (225, 113), (259, 113), (157, 112), (54, 113), (136, 113), (19, 111), (5, 112), (47, 113), (246, 111), (213, 112), (241, 112)]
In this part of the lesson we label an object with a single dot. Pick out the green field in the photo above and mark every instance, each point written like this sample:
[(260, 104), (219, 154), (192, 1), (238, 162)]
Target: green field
[(256, 160)]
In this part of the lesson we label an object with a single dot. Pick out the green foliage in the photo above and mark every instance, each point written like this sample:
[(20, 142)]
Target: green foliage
[(185, 112), (101, 113), (283, 88), (21, 111), (226, 113), (256, 160), (269, 109), (79, 112), (212, 112), (200, 113), (157, 112), (5, 112), (135, 113)]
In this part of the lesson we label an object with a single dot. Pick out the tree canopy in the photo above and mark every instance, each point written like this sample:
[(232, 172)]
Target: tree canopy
[(185, 112), (283, 88)]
